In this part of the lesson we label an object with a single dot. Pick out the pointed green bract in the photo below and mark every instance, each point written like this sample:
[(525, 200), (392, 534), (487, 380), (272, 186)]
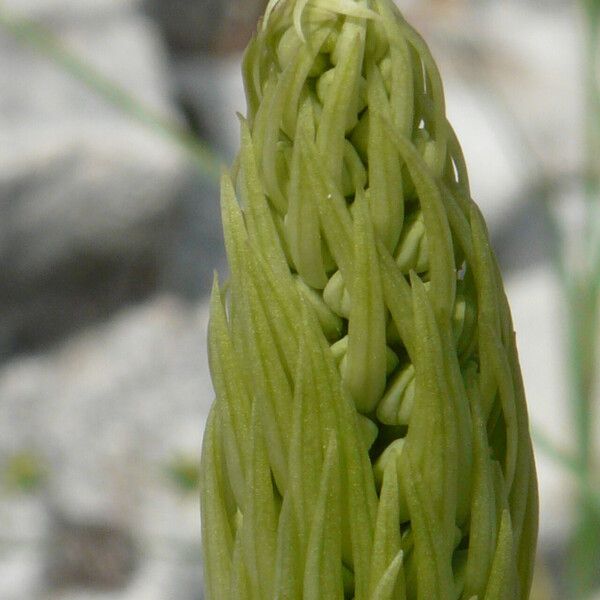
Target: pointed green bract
[(369, 437), (215, 522), (323, 570), (365, 369)]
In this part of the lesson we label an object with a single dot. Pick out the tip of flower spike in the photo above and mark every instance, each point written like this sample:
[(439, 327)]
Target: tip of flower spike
[(349, 8), (298, 10), (270, 7)]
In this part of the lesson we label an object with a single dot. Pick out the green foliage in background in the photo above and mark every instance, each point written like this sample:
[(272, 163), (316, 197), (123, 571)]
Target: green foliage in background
[(24, 472), (184, 473)]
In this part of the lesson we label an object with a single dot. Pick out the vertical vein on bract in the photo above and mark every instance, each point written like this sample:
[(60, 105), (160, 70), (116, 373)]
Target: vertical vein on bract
[(240, 588), (273, 391), (359, 506), (309, 50), (385, 168), (488, 318), (302, 219), (442, 267), (306, 451), (365, 372), (460, 417), (217, 537), (289, 561), (279, 300), (436, 92), (433, 418), (523, 497), (385, 589), (266, 130), (259, 220), (260, 516), (386, 544), (483, 526), (323, 574), (457, 157), (339, 106), (529, 533), (434, 571), (459, 223), (402, 85), (232, 394), (502, 584), (398, 298), (492, 352), (251, 77), (261, 356), (333, 211)]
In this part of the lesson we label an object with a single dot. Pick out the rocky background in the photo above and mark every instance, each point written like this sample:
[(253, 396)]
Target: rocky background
[(109, 235)]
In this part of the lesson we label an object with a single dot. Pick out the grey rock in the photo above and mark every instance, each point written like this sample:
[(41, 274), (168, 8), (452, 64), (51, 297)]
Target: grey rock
[(212, 106), (90, 200), (205, 39), (97, 556), (196, 26)]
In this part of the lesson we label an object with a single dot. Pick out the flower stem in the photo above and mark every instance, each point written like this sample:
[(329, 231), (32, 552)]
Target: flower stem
[(583, 303)]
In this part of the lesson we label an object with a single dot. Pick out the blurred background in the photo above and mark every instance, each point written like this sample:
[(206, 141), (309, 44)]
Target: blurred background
[(114, 118)]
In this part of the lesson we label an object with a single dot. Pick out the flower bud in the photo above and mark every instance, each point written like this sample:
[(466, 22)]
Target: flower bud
[(369, 437)]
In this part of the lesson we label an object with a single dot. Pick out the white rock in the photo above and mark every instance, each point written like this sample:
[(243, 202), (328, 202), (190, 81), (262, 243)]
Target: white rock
[(76, 175), (538, 315), (496, 178), (23, 522), (109, 410), (20, 574), (69, 8), (540, 78)]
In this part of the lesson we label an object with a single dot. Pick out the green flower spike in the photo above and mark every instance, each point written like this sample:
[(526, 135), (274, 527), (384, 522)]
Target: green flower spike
[(369, 437)]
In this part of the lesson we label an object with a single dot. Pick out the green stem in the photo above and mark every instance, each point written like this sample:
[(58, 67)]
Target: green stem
[(36, 36), (569, 463), (584, 316)]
